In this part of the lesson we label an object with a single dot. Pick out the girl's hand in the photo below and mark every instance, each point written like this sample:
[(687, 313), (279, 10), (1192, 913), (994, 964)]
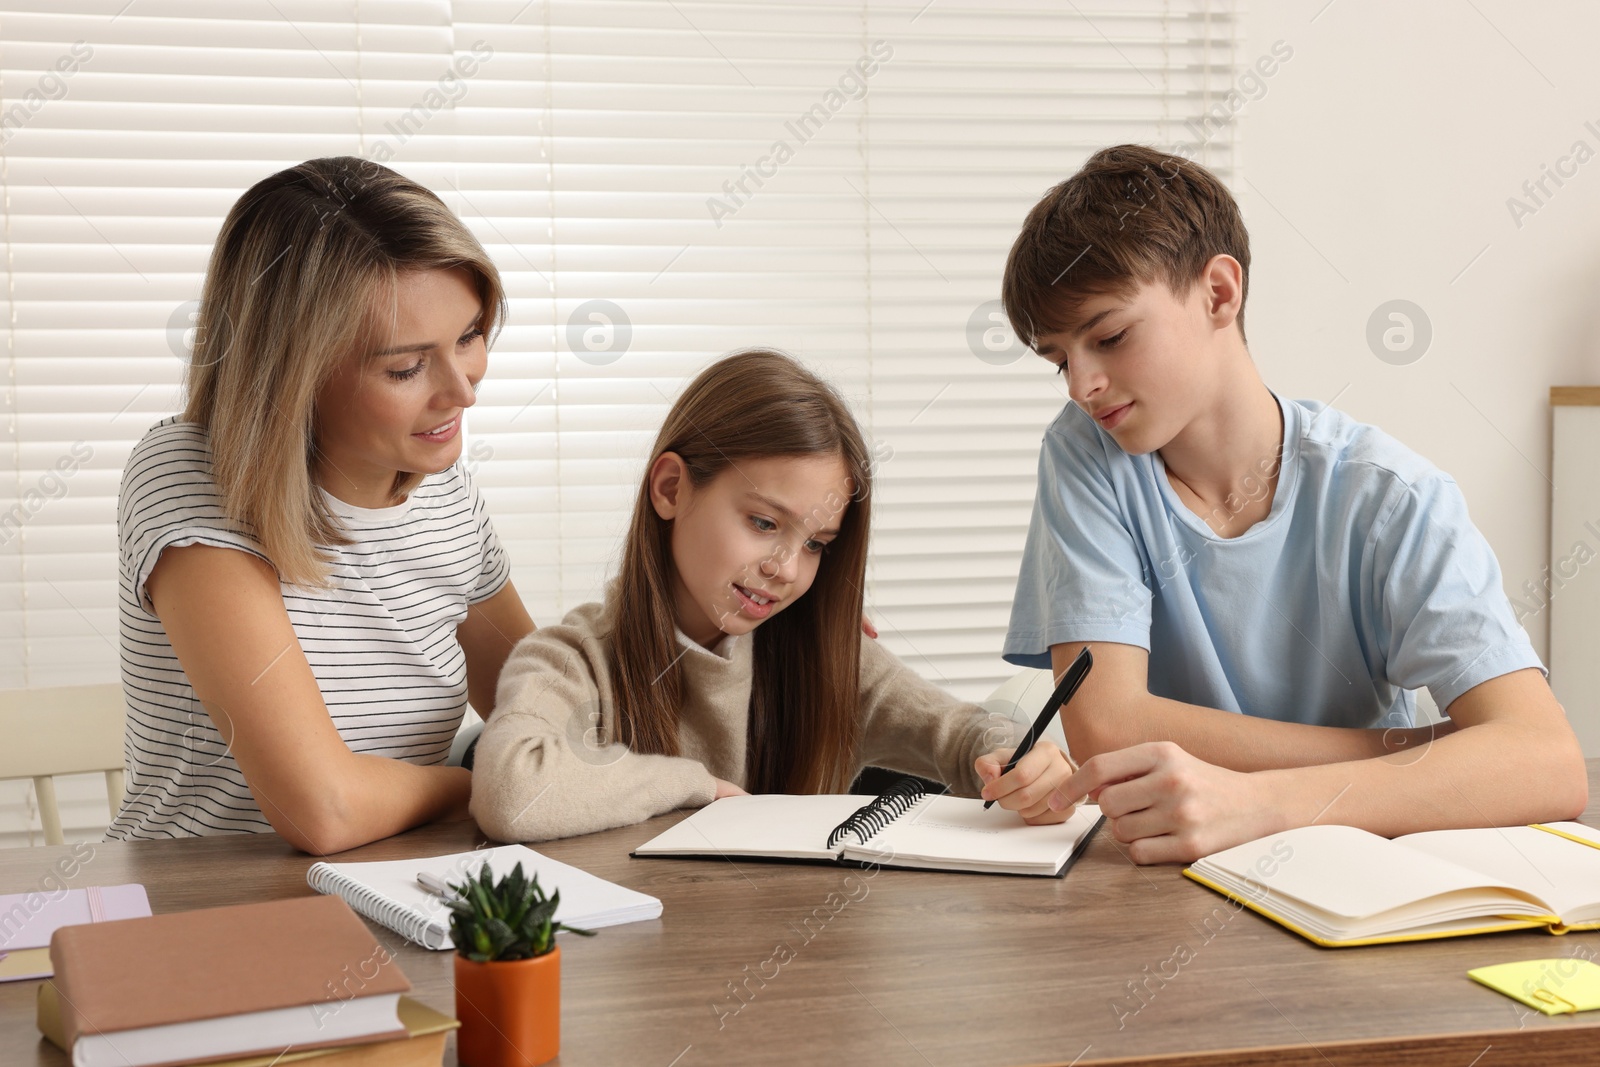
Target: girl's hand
[(1028, 787), (728, 789), (1168, 806)]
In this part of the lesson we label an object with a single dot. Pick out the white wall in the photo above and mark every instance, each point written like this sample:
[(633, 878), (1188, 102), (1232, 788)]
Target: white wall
[(1376, 165)]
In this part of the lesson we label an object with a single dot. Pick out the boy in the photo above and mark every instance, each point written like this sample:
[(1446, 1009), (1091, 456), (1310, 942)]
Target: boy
[(1261, 580)]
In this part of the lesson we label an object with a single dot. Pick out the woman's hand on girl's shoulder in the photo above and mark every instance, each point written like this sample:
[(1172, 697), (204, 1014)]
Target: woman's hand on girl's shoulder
[(1027, 787)]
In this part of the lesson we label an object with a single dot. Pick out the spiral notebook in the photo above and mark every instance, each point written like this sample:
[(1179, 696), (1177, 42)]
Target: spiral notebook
[(902, 828), (389, 893)]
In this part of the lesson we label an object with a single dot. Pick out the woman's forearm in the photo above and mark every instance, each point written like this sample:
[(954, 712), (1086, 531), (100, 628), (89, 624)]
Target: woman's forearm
[(380, 797)]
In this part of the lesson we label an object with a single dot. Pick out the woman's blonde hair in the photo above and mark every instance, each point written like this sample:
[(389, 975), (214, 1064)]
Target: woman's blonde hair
[(290, 294), (804, 714)]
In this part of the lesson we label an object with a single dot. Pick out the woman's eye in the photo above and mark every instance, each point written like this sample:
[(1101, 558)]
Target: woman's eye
[(764, 525), (1114, 340), (409, 372), (470, 336)]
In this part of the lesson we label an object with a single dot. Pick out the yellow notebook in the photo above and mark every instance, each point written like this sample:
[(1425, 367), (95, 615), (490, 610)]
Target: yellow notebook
[(1555, 987), (1341, 886), (423, 1045)]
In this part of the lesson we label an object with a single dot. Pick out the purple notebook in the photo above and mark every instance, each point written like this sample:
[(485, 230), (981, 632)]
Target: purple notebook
[(28, 919)]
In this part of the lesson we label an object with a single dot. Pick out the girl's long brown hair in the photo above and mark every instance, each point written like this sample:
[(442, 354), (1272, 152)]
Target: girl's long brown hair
[(294, 287), (804, 701)]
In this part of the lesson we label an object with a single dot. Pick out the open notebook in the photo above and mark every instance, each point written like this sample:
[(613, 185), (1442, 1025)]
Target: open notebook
[(388, 892), (899, 829), (27, 921), (1341, 886)]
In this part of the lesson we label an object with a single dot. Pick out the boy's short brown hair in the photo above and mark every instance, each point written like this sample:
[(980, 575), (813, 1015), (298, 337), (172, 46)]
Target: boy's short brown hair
[(1131, 215)]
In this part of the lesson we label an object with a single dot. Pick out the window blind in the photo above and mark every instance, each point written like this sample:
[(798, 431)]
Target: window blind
[(659, 182)]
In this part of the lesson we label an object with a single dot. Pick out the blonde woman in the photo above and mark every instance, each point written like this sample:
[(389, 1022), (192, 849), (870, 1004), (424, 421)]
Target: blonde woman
[(311, 589)]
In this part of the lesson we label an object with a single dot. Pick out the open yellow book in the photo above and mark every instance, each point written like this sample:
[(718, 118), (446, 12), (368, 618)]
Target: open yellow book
[(1340, 886)]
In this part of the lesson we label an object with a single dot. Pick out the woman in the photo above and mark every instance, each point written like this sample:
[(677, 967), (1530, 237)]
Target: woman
[(311, 589)]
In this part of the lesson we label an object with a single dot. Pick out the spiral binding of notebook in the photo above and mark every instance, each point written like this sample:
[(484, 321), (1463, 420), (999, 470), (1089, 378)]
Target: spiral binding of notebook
[(403, 919), (874, 817)]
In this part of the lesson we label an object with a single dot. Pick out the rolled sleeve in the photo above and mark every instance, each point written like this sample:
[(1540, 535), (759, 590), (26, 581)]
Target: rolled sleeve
[(1447, 623)]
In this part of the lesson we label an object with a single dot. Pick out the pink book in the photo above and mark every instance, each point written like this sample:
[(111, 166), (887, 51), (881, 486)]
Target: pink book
[(28, 919)]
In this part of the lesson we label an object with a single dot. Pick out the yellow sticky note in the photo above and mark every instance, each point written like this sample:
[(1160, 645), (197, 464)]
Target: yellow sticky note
[(1560, 986)]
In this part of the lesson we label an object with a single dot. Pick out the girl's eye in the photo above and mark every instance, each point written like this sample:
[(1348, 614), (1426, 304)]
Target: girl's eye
[(409, 372), (470, 336), (816, 547), (764, 525), (1114, 340)]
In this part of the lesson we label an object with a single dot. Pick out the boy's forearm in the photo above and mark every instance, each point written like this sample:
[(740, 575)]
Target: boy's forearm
[(1489, 774), (1228, 739)]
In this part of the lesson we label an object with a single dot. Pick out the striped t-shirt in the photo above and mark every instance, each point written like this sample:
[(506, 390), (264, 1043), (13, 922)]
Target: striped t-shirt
[(381, 640)]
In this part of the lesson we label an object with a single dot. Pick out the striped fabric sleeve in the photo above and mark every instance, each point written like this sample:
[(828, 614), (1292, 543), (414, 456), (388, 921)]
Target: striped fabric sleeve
[(496, 565), (168, 500)]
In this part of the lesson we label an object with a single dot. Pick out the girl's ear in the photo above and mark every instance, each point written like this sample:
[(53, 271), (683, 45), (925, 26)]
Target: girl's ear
[(668, 476)]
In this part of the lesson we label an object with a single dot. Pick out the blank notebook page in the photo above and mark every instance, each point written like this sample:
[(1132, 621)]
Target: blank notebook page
[(1563, 873), (768, 824), (1332, 868), (962, 830)]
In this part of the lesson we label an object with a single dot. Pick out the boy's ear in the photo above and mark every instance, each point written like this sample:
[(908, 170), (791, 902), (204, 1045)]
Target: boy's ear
[(1223, 281), (668, 475)]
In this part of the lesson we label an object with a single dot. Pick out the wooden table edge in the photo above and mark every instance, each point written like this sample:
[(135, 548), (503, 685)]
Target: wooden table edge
[(1456, 1049), (1572, 396)]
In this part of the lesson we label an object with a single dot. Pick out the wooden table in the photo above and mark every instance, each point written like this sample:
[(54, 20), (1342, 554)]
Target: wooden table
[(920, 968)]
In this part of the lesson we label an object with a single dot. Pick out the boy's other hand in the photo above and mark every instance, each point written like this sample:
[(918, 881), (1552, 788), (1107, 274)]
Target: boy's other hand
[(1028, 787), (1168, 806)]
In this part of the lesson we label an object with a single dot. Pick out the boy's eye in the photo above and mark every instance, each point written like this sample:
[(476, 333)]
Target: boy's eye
[(1061, 368), (1114, 340), (764, 525)]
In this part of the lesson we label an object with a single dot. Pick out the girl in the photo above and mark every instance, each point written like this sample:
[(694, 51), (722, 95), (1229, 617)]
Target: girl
[(311, 588), (727, 655)]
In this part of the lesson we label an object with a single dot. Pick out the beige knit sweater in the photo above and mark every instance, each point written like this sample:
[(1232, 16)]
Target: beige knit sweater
[(539, 772)]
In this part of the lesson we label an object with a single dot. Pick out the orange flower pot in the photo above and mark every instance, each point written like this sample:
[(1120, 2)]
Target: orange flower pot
[(510, 1011)]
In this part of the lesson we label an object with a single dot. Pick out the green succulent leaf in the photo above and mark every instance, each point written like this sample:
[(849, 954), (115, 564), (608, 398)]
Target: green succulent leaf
[(540, 914), (511, 919)]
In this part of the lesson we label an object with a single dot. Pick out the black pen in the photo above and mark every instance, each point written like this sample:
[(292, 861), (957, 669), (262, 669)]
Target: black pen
[(1069, 685)]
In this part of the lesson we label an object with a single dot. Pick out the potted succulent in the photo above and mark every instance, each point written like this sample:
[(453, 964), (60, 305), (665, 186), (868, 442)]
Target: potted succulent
[(508, 970)]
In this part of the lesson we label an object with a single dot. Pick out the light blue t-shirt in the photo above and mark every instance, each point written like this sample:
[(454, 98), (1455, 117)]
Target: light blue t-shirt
[(1366, 580)]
